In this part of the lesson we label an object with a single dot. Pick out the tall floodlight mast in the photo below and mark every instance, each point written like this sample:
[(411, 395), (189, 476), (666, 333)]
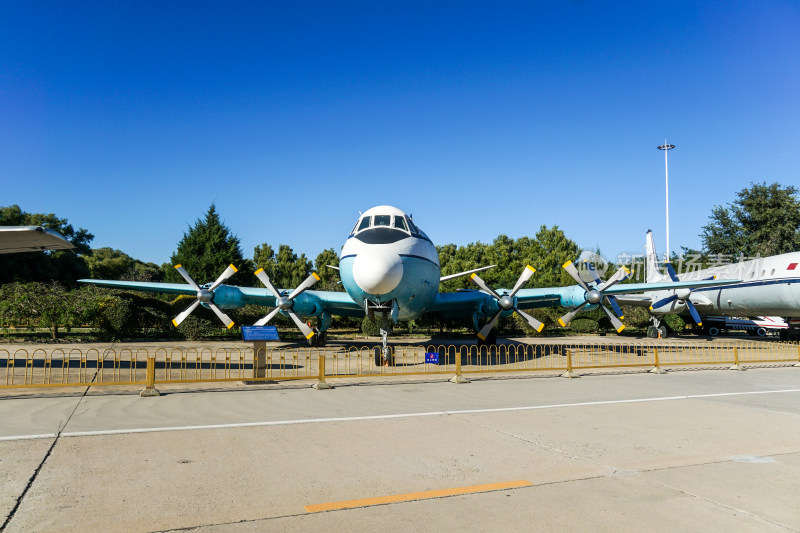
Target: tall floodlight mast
[(666, 147)]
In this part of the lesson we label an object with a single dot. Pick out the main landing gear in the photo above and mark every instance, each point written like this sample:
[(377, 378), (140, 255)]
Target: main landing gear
[(657, 329), (383, 353), (319, 340)]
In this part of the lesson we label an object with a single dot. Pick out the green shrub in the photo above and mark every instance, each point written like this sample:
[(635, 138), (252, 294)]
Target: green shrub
[(584, 325), (368, 327), (115, 317)]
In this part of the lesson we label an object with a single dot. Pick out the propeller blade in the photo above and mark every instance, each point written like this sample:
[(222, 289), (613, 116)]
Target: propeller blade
[(484, 332), (671, 271), (615, 306), (309, 281), (263, 278), (527, 272), (618, 325), (186, 312), (228, 272), (185, 275), (535, 324), (268, 317), (618, 276), (694, 313), (572, 271), (226, 320), (483, 286), (664, 301), (566, 319), (307, 331)]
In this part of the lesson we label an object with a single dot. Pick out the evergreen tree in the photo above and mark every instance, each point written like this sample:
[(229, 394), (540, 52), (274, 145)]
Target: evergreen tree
[(763, 220), (206, 249)]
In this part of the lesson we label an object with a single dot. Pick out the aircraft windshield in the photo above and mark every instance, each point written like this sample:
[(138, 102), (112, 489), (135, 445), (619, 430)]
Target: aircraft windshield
[(397, 222)]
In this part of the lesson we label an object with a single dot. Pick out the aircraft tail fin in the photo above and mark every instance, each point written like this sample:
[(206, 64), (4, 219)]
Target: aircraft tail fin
[(651, 261)]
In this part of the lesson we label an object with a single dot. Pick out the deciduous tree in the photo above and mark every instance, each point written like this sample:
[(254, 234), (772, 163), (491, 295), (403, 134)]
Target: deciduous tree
[(64, 266), (285, 269), (763, 220)]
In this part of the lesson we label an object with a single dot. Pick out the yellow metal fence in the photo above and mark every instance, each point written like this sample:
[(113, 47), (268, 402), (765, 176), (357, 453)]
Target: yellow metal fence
[(153, 366)]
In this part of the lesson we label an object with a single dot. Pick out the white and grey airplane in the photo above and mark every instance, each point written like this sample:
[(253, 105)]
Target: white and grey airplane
[(764, 286), (390, 272), (15, 239)]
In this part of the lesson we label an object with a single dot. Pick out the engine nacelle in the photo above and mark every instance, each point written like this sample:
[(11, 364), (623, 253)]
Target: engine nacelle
[(307, 305), (574, 296), (228, 297)]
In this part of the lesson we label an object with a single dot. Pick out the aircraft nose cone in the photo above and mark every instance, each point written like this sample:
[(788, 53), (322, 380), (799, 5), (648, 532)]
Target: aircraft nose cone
[(377, 273)]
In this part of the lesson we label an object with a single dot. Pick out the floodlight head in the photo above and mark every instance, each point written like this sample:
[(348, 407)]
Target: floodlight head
[(666, 147)]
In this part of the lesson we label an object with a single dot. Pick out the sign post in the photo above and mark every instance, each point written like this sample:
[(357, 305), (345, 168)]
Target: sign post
[(259, 335)]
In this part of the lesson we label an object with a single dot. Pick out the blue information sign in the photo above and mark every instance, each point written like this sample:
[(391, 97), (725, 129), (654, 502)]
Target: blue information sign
[(260, 333), (432, 357)]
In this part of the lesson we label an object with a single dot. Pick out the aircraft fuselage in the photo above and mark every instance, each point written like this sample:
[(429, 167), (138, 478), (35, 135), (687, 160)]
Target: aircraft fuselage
[(387, 261)]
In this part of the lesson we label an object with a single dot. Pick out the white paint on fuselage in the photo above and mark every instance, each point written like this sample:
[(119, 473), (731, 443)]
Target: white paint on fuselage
[(768, 286), (389, 258)]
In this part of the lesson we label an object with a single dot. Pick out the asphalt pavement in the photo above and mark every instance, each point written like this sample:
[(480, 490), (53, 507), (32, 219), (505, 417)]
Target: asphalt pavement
[(692, 450)]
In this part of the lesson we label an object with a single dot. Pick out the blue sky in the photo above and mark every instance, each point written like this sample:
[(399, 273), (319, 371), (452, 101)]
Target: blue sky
[(130, 119)]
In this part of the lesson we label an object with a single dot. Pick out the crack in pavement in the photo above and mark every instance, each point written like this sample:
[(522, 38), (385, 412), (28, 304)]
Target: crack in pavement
[(35, 474)]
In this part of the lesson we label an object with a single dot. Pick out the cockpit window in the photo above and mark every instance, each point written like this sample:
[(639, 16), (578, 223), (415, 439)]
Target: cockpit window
[(400, 223), (383, 220), (364, 223), (412, 226)]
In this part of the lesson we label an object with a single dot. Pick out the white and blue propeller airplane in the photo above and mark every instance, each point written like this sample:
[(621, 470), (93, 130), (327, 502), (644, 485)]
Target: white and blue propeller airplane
[(762, 286), (390, 272)]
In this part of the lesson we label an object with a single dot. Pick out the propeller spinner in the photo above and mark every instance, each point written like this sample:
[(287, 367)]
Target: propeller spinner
[(205, 295), (506, 302), (596, 295), (285, 303)]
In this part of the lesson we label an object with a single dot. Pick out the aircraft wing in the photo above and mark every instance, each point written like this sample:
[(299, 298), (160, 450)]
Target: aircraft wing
[(463, 304), (628, 288), (146, 286), (231, 296), (641, 298), (15, 239)]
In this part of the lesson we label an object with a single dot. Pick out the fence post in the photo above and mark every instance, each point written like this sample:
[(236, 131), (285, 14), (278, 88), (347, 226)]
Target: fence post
[(321, 384), (657, 369), (798, 355), (569, 373), (459, 378), (259, 359), (736, 365), (150, 384)]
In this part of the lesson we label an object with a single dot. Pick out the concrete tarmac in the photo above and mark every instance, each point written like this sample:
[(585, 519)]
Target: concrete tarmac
[(694, 450)]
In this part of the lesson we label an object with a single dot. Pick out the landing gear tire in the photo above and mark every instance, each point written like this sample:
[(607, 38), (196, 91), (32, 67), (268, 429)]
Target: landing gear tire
[(315, 339), (323, 339), (380, 360), (652, 332), (663, 331)]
